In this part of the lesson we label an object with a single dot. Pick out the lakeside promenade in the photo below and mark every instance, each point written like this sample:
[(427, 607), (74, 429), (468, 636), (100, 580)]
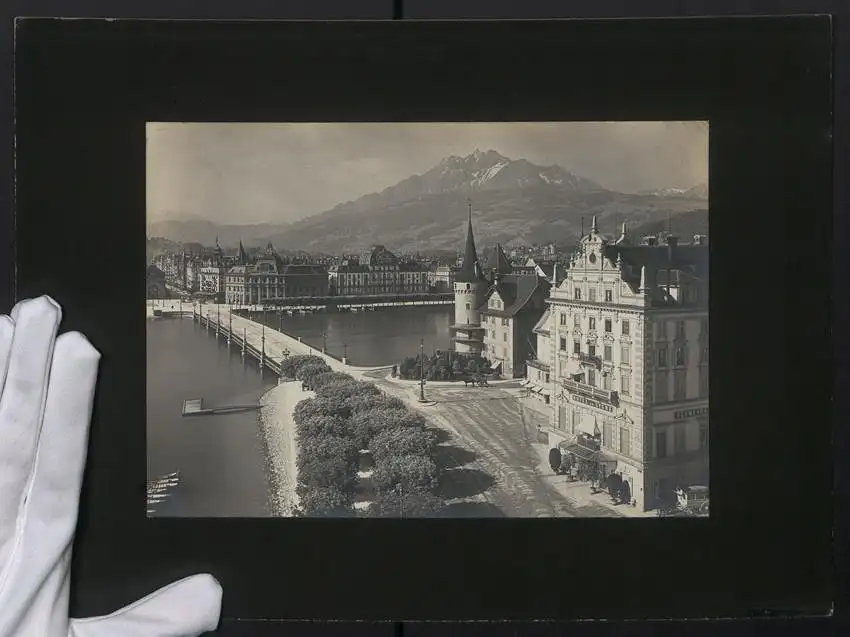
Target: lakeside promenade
[(488, 428)]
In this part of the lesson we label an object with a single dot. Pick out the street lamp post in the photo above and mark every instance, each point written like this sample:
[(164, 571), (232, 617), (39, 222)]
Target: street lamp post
[(324, 342), (229, 327), (262, 345), (422, 370)]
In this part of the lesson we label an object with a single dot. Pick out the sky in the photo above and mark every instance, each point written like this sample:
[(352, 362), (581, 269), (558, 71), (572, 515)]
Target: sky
[(242, 173)]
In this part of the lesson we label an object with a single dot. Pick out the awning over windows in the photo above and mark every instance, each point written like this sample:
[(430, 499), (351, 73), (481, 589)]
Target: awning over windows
[(587, 454), (537, 390), (546, 392), (496, 365), (524, 382)]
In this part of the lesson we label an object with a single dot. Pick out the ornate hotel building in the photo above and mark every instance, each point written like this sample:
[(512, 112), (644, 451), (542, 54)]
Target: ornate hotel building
[(377, 272), (269, 278), (622, 358)]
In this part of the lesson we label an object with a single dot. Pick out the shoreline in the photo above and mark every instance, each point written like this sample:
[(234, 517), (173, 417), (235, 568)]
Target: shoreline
[(278, 428)]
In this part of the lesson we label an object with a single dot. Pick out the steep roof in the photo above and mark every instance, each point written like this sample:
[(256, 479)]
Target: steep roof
[(542, 326), (470, 269), (304, 269), (515, 290), (688, 259), (497, 260)]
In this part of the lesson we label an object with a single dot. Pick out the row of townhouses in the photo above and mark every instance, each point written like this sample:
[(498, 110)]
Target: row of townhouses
[(243, 279)]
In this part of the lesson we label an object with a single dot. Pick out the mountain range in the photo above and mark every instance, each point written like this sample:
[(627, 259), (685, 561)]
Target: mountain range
[(513, 202)]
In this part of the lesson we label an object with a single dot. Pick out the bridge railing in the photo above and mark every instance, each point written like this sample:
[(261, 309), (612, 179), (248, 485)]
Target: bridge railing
[(236, 339)]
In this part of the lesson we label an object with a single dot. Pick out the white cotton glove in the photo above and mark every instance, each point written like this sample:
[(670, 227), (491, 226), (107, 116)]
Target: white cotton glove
[(47, 386)]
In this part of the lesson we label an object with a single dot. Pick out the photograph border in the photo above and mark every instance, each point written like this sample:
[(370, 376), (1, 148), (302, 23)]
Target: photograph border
[(85, 89)]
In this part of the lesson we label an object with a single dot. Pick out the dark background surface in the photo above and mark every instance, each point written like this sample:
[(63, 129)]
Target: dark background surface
[(770, 161)]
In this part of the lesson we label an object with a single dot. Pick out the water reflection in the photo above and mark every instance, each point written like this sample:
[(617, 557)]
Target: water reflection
[(380, 337)]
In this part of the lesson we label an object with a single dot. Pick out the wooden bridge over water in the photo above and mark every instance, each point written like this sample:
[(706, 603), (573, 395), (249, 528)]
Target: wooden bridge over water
[(242, 341)]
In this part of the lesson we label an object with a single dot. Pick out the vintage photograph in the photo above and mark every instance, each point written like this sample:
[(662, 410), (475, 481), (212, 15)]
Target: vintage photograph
[(455, 320)]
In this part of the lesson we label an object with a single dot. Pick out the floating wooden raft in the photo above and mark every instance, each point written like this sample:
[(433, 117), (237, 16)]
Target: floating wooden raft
[(195, 407)]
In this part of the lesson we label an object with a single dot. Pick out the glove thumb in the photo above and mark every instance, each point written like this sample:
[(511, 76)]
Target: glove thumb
[(186, 608)]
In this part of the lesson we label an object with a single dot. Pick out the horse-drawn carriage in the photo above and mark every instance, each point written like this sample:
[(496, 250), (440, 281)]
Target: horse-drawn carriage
[(583, 460), (692, 501), (476, 380)]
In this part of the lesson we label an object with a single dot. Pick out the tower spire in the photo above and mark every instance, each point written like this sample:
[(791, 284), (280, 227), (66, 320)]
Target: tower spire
[(469, 270), (593, 228)]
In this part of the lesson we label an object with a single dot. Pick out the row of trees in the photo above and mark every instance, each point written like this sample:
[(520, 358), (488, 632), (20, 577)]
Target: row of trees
[(346, 418), (443, 366)]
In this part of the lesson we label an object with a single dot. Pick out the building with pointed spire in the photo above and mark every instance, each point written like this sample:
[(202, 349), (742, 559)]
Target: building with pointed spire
[(622, 363), (470, 288), (211, 279)]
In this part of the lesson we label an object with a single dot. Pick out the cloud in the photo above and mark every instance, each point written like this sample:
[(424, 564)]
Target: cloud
[(251, 173)]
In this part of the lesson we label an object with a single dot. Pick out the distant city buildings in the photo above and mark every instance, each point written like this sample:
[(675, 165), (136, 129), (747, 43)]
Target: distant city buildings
[(269, 277), (441, 278), (622, 360), (254, 277), (377, 272)]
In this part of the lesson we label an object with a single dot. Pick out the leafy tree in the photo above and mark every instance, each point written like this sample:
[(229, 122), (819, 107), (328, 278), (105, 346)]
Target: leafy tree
[(365, 402), (402, 441), (407, 367), (331, 446), (330, 378), (326, 471), (398, 504), (307, 408), (289, 366), (391, 402), (321, 425), (324, 502), (410, 473), (308, 371), (348, 389), (367, 423)]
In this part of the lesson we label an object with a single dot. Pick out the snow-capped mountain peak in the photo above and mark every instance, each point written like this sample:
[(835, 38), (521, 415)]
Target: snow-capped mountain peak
[(491, 170)]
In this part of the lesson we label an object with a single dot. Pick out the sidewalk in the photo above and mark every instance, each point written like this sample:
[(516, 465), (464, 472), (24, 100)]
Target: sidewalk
[(578, 493)]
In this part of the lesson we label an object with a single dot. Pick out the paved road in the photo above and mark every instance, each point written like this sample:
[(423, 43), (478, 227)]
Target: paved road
[(489, 423)]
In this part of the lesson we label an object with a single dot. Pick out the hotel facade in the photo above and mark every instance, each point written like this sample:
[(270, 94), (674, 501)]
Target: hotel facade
[(622, 359)]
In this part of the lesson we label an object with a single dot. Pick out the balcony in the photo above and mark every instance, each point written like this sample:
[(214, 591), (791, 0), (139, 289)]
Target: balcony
[(538, 364), (587, 359), (604, 395)]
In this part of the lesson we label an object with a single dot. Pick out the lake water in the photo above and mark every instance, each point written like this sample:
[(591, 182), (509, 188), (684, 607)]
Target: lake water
[(382, 337), (222, 458)]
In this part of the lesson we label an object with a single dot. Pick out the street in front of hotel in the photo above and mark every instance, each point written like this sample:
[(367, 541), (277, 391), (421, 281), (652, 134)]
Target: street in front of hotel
[(498, 436)]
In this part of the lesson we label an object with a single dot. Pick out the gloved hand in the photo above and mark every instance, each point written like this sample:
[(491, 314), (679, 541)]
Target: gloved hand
[(47, 386)]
